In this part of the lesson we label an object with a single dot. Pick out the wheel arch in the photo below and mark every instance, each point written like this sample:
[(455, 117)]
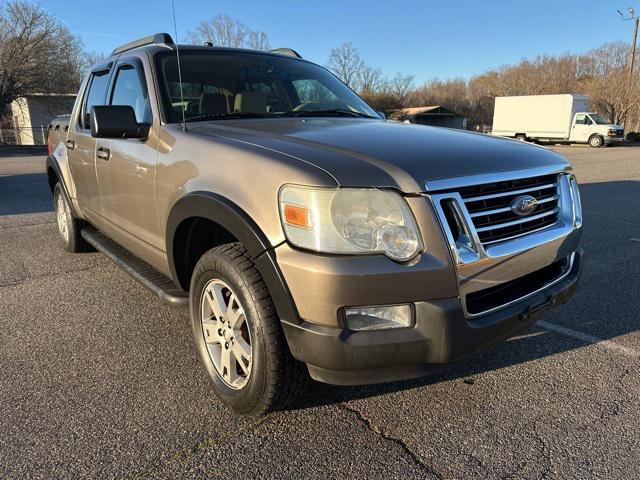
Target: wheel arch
[(54, 175), (224, 221)]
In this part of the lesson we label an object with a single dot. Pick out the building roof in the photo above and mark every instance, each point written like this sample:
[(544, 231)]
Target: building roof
[(431, 109)]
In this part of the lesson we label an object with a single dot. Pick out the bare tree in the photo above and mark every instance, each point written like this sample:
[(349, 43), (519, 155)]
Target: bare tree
[(91, 58), (37, 53), (258, 40), (371, 80), (610, 94), (346, 63), (224, 31), (400, 86)]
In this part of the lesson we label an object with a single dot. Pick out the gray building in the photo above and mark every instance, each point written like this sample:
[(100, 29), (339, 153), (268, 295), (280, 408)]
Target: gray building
[(434, 115), (31, 114)]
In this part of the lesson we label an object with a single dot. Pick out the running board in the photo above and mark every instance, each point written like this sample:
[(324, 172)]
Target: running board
[(140, 270)]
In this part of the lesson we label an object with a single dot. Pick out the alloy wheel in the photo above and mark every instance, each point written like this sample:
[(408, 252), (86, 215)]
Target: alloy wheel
[(61, 218), (225, 330)]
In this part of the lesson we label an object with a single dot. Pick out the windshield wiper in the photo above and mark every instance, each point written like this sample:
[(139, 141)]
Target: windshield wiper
[(226, 116), (338, 112)]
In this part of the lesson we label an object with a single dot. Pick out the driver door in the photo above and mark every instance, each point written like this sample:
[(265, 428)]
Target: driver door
[(581, 129), (126, 169)]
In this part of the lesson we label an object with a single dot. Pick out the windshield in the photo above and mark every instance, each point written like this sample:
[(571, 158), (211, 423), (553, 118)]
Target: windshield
[(223, 85), (599, 119)]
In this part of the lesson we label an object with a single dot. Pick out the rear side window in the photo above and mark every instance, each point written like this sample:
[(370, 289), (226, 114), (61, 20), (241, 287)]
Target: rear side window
[(130, 90), (96, 95)]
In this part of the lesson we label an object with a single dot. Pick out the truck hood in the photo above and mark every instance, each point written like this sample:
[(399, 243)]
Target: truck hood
[(362, 152)]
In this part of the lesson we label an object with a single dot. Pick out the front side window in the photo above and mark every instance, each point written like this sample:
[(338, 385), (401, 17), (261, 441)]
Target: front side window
[(96, 95), (581, 119), (129, 90), (229, 85)]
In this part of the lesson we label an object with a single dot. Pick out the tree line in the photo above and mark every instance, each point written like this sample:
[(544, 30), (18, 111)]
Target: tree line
[(600, 73), (38, 54)]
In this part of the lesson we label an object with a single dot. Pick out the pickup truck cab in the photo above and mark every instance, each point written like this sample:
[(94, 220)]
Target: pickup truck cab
[(561, 118), (307, 235)]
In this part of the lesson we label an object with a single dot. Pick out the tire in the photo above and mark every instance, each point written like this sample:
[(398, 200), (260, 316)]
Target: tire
[(68, 227), (246, 321), (521, 137), (596, 141)]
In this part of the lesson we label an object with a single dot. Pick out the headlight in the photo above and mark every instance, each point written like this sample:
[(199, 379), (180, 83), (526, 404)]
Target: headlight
[(349, 221), (577, 203)]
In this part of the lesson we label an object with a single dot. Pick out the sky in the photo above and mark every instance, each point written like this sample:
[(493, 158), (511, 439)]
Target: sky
[(426, 38)]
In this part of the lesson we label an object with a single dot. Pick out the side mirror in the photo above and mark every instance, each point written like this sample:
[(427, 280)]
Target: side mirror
[(116, 121), (382, 115)]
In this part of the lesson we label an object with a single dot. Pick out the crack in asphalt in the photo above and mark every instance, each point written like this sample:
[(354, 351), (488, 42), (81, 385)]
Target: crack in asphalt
[(189, 452), (613, 408), (401, 443), (544, 450)]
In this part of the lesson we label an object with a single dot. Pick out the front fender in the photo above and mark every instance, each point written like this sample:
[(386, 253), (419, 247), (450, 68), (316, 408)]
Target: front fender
[(236, 221)]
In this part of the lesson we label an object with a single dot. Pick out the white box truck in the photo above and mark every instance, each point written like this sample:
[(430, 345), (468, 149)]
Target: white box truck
[(553, 119)]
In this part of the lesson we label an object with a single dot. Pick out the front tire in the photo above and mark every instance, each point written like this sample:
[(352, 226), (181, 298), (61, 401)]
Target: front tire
[(68, 226), (238, 334), (596, 141)]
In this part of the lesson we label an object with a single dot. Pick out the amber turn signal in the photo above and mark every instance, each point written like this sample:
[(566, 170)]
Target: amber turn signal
[(297, 216)]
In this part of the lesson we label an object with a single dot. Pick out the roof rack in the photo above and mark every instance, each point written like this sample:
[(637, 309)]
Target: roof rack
[(290, 52), (164, 38)]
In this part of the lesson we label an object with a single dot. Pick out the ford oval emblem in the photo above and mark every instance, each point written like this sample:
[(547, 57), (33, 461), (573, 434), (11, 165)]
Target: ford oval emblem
[(524, 205)]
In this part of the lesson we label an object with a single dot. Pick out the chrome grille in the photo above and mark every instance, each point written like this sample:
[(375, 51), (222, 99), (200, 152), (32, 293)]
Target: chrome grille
[(489, 206)]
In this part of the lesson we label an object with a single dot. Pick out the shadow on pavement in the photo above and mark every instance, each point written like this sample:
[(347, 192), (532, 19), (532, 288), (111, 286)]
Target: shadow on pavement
[(25, 193), (22, 150)]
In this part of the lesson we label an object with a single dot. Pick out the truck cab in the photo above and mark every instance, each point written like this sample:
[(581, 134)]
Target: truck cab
[(593, 128)]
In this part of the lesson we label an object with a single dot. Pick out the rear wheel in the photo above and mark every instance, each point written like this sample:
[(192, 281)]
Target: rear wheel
[(68, 226), (238, 334), (596, 141), (521, 137)]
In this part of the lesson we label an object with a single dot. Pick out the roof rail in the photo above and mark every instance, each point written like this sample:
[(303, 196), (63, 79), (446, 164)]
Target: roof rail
[(290, 52), (150, 40)]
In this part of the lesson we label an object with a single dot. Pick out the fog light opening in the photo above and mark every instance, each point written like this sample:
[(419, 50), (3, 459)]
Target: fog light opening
[(379, 317)]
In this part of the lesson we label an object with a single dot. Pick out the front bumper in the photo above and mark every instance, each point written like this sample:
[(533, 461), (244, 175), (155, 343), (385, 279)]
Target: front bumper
[(442, 333), (610, 140)]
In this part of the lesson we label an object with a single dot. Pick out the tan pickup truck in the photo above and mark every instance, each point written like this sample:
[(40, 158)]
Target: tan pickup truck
[(308, 235)]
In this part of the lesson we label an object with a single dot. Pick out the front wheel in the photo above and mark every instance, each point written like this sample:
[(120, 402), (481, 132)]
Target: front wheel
[(238, 334), (68, 226), (596, 141)]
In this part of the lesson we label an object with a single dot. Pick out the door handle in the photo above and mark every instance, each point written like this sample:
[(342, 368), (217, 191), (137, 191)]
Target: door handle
[(70, 144), (103, 153)]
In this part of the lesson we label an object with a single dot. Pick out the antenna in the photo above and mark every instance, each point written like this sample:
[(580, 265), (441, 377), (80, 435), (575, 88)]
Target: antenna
[(175, 29)]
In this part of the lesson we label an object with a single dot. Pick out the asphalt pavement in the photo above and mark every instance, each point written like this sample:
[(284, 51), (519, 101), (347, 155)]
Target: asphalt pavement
[(99, 378)]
